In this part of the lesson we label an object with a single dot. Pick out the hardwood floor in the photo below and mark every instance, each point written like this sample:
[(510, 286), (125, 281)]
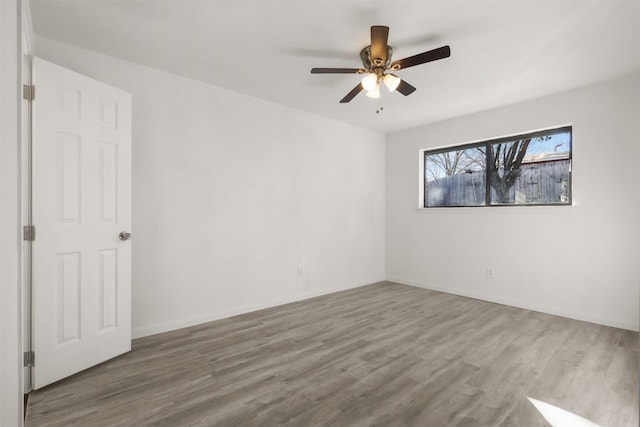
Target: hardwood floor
[(379, 355)]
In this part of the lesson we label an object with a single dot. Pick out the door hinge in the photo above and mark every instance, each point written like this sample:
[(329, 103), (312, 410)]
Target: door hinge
[(29, 358), (28, 92), (29, 233)]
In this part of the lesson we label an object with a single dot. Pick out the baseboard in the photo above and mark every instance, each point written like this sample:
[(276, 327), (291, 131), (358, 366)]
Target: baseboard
[(143, 331), (556, 311)]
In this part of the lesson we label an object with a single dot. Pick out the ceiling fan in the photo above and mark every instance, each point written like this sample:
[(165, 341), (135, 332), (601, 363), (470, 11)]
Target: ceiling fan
[(376, 61)]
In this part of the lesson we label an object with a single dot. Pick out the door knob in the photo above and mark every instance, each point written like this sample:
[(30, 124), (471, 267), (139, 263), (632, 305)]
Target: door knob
[(124, 235)]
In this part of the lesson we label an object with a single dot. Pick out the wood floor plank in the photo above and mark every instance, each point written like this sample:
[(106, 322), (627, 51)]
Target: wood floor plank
[(379, 355)]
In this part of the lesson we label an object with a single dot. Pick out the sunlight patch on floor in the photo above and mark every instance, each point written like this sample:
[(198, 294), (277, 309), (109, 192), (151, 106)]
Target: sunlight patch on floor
[(558, 417)]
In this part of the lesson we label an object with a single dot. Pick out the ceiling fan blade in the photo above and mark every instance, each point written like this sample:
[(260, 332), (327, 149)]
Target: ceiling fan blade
[(421, 58), (336, 70), (356, 90), (379, 37), (405, 88)]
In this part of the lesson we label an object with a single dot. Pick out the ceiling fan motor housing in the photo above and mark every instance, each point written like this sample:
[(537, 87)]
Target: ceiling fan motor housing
[(372, 63)]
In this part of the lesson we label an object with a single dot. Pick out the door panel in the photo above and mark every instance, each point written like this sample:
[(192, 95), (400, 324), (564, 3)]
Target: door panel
[(81, 202)]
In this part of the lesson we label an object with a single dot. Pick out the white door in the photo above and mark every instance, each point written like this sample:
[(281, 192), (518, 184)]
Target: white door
[(81, 203)]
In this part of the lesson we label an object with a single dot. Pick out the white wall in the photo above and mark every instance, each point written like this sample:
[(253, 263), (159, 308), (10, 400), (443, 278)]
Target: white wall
[(231, 194), (580, 261), (10, 236)]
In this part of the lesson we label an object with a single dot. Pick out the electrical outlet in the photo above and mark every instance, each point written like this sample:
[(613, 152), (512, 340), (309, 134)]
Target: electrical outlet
[(491, 274)]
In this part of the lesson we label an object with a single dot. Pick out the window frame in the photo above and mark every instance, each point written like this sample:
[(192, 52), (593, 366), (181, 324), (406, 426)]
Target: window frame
[(486, 144)]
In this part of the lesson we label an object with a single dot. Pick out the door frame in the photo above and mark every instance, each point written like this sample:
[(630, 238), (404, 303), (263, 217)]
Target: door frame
[(14, 18), (25, 199)]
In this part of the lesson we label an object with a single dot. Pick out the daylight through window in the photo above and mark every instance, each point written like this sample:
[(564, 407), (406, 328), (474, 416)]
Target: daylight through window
[(529, 169)]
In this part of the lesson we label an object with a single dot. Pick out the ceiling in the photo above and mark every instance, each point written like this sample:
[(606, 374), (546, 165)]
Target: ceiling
[(501, 51)]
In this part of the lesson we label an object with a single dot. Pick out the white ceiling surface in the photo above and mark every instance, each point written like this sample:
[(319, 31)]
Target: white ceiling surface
[(501, 51)]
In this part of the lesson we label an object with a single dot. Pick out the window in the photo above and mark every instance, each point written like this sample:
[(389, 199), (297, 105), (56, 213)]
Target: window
[(528, 169)]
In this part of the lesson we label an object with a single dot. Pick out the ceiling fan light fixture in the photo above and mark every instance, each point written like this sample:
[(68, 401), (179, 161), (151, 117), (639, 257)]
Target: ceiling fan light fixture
[(370, 81), (375, 92), (391, 81)]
